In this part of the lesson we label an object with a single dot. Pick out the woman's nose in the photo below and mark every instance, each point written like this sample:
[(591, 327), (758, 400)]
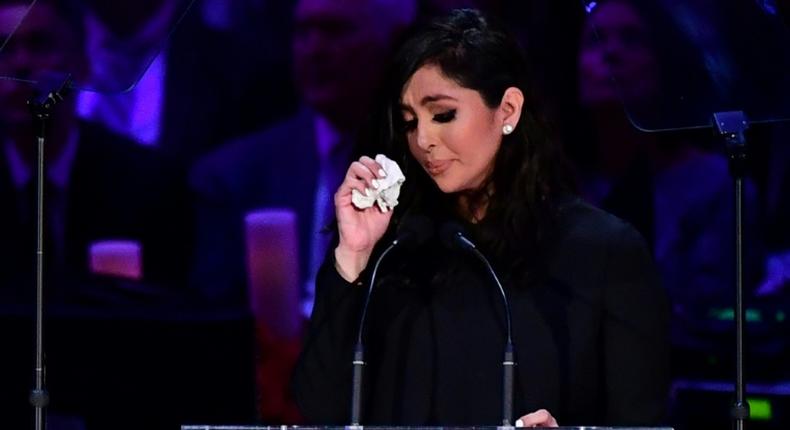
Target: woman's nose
[(423, 138)]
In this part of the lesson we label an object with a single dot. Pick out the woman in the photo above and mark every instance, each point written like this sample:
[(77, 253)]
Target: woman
[(588, 313)]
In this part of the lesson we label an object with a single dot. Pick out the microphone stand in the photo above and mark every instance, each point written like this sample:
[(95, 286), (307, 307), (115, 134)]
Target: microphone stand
[(51, 92), (413, 231), (731, 126), (509, 360), (359, 349)]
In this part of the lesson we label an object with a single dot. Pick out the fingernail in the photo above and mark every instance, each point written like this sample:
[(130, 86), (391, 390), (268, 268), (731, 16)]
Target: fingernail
[(519, 423), (375, 184), (382, 173)]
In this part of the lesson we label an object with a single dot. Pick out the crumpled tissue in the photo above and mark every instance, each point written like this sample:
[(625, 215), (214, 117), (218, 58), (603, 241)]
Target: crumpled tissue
[(387, 189)]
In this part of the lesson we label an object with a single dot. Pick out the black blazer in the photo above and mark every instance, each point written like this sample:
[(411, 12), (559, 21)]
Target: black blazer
[(218, 87), (591, 341), (274, 168)]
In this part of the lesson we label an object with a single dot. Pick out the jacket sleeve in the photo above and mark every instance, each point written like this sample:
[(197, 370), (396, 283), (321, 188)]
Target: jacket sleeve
[(635, 334), (321, 382)]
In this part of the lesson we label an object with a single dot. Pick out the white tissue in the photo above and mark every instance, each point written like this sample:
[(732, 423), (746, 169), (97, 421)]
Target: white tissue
[(387, 189)]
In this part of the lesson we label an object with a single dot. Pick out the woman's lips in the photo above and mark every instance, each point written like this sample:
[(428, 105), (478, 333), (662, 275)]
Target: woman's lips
[(437, 167)]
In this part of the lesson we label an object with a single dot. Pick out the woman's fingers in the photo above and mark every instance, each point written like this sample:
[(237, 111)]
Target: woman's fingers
[(361, 174), (539, 418), (361, 171), (358, 168), (373, 166), (350, 183)]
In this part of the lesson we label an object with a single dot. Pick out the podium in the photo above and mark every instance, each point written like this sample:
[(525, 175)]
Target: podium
[(214, 427)]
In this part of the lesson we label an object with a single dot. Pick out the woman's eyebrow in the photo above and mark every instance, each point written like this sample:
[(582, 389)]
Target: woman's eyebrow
[(427, 100), (435, 98)]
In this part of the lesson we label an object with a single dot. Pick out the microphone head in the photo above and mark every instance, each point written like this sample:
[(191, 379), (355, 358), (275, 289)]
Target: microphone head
[(453, 236), (414, 230)]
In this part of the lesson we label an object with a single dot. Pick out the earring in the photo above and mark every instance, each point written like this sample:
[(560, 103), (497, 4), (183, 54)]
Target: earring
[(507, 129)]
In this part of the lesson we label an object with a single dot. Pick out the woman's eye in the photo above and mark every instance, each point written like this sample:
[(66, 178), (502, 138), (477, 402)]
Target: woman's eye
[(409, 125), (444, 116)]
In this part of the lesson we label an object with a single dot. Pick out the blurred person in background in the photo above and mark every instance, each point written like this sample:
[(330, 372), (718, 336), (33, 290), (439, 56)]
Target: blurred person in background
[(195, 88), (99, 186), (676, 192), (339, 51)]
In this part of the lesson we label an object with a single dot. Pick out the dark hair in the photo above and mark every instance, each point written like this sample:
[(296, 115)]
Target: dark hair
[(480, 54)]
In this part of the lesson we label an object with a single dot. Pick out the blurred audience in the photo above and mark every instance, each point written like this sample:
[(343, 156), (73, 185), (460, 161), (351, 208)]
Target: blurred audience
[(340, 50), (776, 282), (673, 190), (99, 186), (260, 104), (193, 89)]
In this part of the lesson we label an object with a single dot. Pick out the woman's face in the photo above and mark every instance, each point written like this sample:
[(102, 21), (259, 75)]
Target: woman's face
[(615, 44), (451, 132)]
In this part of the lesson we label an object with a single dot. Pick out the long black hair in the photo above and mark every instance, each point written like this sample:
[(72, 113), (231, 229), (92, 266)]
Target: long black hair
[(528, 175)]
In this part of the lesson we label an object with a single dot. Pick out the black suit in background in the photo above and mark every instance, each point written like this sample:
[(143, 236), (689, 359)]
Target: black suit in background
[(219, 84), (116, 190), (274, 168), (591, 341)]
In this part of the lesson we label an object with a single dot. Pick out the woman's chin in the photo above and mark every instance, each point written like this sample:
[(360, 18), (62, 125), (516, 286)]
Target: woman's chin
[(446, 186)]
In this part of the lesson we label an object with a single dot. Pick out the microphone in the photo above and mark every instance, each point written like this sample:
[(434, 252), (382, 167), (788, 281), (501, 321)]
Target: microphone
[(413, 231), (453, 236)]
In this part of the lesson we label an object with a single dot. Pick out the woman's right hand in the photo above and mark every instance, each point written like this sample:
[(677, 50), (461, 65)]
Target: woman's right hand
[(360, 229)]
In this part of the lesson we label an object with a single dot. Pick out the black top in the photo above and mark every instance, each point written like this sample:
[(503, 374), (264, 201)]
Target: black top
[(590, 340)]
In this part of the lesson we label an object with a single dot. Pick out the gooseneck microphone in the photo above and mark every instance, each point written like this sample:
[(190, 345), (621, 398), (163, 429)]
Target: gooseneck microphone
[(453, 236), (413, 231)]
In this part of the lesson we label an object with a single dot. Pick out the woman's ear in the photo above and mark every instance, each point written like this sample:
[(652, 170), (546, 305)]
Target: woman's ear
[(510, 108)]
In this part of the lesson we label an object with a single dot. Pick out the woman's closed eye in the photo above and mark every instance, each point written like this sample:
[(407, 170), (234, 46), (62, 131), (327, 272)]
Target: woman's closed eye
[(441, 118), (409, 125), (444, 117)]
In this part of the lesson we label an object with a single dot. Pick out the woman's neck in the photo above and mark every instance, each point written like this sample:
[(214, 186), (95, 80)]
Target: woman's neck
[(472, 206)]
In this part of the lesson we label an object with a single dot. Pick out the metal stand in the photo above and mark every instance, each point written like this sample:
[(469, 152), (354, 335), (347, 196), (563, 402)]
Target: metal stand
[(731, 126), (41, 109)]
